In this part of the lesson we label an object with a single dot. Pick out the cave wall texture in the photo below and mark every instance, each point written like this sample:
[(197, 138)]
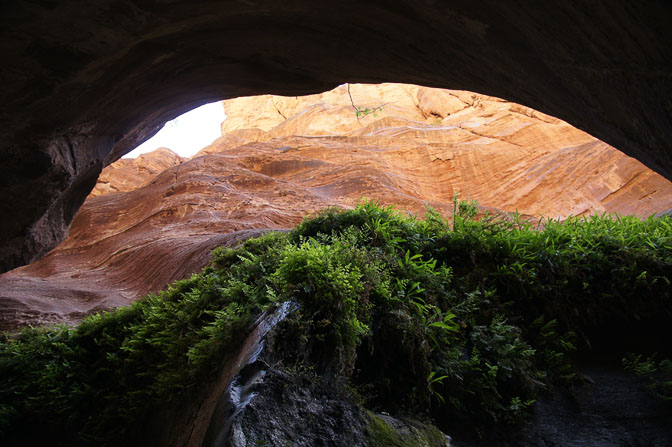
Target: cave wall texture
[(83, 82)]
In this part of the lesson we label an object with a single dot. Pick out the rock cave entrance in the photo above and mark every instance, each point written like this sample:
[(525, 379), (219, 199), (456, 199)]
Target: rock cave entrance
[(82, 83), (86, 83)]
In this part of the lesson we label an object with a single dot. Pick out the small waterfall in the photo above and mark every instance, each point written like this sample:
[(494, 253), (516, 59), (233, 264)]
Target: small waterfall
[(240, 392)]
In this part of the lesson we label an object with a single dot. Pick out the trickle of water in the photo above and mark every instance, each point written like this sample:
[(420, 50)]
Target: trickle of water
[(252, 371)]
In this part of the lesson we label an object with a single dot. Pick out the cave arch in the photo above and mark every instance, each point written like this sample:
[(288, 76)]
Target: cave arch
[(84, 83)]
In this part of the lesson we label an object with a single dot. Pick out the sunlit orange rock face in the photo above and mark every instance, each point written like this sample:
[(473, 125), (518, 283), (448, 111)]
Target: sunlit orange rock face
[(128, 174), (155, 219)]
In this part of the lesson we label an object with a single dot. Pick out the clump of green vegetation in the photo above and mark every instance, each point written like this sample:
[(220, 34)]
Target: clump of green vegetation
[(466, 320), (657, 372)]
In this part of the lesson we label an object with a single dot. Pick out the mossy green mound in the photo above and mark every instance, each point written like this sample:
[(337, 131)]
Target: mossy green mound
[(384, 431), (465, 322)]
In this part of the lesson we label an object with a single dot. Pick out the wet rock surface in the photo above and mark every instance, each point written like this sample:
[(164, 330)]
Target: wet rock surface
[(288, 409), (273, 405), (612, 409), (285, 410)]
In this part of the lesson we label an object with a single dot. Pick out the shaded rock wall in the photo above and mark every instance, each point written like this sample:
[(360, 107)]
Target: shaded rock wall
[(83, 83)]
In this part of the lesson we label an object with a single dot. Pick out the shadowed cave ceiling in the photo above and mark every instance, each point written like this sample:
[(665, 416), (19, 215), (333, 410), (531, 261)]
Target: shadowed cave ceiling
[(84, 82)]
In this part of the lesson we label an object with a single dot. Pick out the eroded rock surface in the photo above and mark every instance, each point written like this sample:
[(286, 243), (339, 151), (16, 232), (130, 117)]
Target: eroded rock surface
[(129, 174), (439, 142), (85, 82), (273, 402), (422, 148), (299, 410)]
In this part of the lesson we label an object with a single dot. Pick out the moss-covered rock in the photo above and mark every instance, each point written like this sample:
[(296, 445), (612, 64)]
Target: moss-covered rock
[(465, 322), (385, 431)]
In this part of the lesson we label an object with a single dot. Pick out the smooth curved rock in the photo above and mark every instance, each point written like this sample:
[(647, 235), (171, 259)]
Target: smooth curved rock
[(128, 174), (139, 231), (85, 82)]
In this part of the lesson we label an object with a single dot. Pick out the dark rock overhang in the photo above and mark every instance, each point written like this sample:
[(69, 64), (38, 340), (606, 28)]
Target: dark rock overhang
[(84, 82)]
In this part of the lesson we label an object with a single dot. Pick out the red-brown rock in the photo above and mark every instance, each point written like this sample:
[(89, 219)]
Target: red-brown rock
[(128, 174), (82, 83), (424, 146)]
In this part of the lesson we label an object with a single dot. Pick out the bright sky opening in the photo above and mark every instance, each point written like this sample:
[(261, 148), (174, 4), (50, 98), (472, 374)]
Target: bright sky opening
[(188, 133)]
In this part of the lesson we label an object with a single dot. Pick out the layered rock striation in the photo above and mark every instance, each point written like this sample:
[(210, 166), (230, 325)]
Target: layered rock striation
[(84, 83), (129, 174), (439, 142), (153, 220)]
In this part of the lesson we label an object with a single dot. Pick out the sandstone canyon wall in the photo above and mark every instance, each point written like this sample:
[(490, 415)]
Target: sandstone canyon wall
[(506, 156), (85, 82), (153, 220), (129, 174)]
